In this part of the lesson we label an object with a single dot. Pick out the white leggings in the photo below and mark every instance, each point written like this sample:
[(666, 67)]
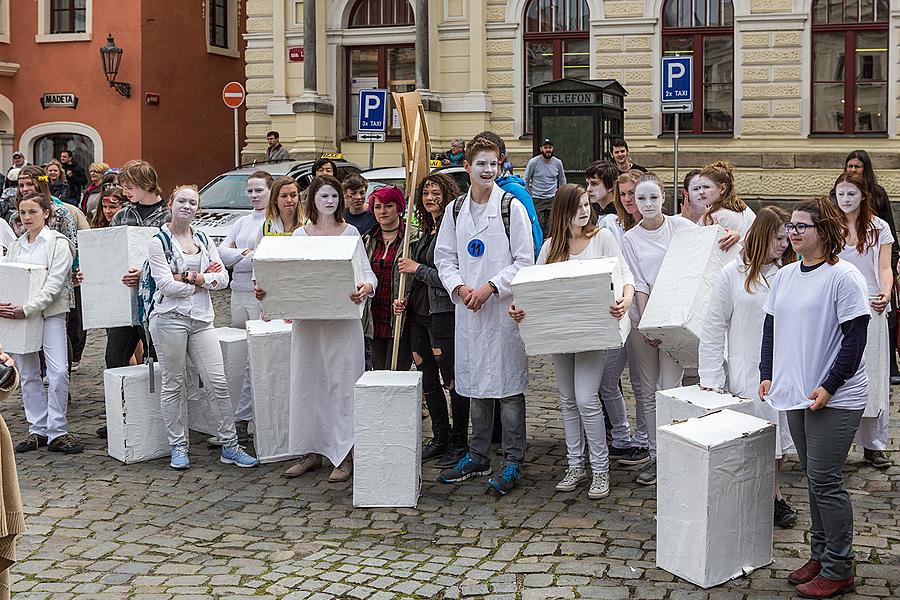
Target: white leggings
[(46, 413), (656, 371), (873, 431), (578, 377), (244, 307)]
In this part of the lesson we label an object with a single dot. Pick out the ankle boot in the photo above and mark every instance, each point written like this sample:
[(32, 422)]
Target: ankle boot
[(438, 445)]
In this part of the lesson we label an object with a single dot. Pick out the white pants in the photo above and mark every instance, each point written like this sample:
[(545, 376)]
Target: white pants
[(656, 371), (614, 401), (176, 338), (578, 377), (46, 414), (873, 431), (244, 307)]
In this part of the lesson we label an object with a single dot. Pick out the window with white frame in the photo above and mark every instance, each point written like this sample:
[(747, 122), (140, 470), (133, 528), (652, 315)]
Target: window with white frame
[(63, 20), (222, 27)]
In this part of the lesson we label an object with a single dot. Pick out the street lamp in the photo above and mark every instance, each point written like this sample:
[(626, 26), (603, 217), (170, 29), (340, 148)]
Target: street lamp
[(111, 56)]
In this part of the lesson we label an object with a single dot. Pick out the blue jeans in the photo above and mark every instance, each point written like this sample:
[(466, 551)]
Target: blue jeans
[(512, 415)]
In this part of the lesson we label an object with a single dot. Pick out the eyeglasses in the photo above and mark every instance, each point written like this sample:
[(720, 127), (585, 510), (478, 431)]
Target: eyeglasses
[(798, 228)]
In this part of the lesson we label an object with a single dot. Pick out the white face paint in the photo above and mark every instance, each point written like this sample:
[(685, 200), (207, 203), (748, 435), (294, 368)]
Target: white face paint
[(483, 169), (582, 212), (778, 244), (696, 204), (848, 197), (649, 199), (258, 193), (327, 199), (185, 204), (596, 190), (708, 191)]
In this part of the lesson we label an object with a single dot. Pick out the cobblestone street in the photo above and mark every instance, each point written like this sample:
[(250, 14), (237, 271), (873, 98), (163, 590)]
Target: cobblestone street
[(98, 529)]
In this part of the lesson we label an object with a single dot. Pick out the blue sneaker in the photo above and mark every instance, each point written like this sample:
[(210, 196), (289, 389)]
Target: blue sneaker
[(464, 469), (237, 456), (507, 480), (180, 458)]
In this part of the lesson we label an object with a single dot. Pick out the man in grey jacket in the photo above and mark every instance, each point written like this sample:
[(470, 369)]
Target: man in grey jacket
[(276, 151), (543, 176)]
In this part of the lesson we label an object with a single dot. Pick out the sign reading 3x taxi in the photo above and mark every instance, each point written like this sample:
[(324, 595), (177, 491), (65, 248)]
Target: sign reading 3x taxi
[(59, 100)]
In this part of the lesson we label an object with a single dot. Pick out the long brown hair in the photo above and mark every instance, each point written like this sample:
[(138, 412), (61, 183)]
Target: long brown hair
[(272, 211), (317, 183), (116, 193), (449, 193), (866, 233), (769, 223), (565, 205), (830, 225), (38, 176), (722, 173), (626, 219)]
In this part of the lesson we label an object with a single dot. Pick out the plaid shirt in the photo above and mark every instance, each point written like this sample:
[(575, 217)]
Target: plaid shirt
[(383, 259)]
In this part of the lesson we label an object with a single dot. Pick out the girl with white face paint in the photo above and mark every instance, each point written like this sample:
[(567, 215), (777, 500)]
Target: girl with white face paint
[(185, 267), (327, 357), (734, 325), (869, 242), (725, 207), (644, 247), (579, 374)]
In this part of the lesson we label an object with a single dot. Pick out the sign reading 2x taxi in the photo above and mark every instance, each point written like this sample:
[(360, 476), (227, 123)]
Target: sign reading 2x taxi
[(59, 100)]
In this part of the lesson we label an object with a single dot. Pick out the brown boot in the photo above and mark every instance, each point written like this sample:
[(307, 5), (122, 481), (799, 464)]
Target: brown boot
[(309, 462), (342, 472)]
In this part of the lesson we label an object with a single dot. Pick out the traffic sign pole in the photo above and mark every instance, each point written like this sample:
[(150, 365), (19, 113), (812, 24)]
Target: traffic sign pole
[(677, 97), (237, 141), (233, 95), (371, 125), (675, 177)]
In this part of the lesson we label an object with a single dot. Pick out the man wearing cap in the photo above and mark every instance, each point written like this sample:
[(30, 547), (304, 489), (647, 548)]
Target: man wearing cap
[(544, 175), (18, 162)]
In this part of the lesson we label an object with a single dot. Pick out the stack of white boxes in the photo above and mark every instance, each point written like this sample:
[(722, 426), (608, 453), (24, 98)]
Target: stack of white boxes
[(676, 311), (387, 451), (20, 283), (715, 488), (135, 431), (105, 255), (691, 401), (548, 293), (324, 271), (234, 357), (269, 346)]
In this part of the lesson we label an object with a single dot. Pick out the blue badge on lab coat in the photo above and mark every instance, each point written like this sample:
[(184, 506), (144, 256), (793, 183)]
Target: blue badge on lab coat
[(476, 248)]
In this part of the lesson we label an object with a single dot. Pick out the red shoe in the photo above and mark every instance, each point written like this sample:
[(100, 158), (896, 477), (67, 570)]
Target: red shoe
[(806, 573), (822, 587)]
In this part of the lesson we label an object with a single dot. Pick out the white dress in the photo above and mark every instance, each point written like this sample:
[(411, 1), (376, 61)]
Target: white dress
[(327, 357)]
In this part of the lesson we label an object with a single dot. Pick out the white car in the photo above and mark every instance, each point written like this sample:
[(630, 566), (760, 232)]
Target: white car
[(396, 176)]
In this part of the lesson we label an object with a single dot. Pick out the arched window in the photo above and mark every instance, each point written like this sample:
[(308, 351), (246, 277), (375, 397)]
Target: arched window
[(850, 66), (703, 29), (48, 147), (556, 44), (388, 66)]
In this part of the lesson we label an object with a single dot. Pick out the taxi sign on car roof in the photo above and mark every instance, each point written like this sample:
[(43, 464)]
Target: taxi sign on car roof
[(333, 155), (435, 164)]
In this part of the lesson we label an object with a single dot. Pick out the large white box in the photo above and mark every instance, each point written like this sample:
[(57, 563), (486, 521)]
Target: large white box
[(309, 277), (387, 429), (691, 401), (105, 255), (135, 431), (715, 488), (234, 356), (877, 356), (269, 346), (549, 293), (677, 307), (19, 283)]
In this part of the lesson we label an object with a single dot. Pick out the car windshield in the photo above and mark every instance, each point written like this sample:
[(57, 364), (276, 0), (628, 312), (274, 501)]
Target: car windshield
[(228, 191), (459, 176)]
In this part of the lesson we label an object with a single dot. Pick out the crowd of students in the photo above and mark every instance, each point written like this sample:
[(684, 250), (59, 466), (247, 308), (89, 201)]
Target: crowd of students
[(459, 326)]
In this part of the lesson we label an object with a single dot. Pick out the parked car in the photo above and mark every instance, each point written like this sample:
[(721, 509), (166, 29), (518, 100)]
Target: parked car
[(396, 176), (224, 199)]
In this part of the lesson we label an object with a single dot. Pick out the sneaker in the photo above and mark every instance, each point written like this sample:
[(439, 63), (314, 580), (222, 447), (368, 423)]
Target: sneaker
[(648, 475), (451, 457), (75, 365), (806, 573), (32, 442), (785, 516), (633, 456), (342, 472), (574, 477), (466, 468), (308, 462), (236, 456), (215, 441), (101, 432), (180, 459), (66, 443), (877, 458), (599, 486), (822, 587), (507, 480), (242, 430)]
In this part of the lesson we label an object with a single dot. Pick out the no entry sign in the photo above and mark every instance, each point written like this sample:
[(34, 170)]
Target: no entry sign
[(233, 94)]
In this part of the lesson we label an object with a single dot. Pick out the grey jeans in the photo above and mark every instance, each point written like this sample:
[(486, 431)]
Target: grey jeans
[(512, 416), (823, 439)]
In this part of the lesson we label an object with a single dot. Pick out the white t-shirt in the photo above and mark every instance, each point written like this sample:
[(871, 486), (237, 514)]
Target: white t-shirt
[(808, 309), (602, 245), (611, 222), (738, 221), (867, 262), (644, 250)]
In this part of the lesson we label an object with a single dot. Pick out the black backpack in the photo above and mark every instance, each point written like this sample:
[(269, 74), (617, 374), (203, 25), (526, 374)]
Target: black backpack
[(505, 201)]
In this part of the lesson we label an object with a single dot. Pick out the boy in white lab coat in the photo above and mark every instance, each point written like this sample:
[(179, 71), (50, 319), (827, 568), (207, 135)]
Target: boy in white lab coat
[(484, 239)]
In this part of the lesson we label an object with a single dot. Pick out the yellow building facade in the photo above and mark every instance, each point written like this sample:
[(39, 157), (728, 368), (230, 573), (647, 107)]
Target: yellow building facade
[(783, 89)]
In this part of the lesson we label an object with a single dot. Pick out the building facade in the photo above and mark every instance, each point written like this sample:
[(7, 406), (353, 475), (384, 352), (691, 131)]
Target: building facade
[(782, 88), (176, 57)]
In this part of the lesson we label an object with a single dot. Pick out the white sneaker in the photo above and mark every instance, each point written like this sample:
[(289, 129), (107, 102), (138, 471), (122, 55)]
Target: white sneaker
[(75, 365), (599, 486), (574, 476)]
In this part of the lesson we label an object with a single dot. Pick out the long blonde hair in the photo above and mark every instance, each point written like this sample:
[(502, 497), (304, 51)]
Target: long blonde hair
[(626, 219), (769, 222), (565, 205), (722, 173), (272, 211)]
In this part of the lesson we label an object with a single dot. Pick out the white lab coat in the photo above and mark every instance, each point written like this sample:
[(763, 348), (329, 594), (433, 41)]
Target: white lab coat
[(490, 355), (735, 321)]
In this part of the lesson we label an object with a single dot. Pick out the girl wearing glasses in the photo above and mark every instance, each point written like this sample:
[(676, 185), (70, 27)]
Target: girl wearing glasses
[(734, 326), (811, 366), (869, 243)]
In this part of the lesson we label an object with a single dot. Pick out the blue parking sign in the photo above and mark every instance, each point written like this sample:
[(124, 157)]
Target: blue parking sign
[(677, 79), (372, 110)]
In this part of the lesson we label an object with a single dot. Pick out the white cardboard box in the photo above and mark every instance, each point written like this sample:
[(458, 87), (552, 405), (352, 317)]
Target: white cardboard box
[(309, 277), (714, 497), (677, 307), (555, 295), (877, 356), (19, 283), (234, 356), (105, 255), (690, 401), (269, 346), (387, 451), (135, 431)]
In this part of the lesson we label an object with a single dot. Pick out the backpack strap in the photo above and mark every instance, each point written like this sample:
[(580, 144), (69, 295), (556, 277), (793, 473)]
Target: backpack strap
[(457, 206), (505, 202)]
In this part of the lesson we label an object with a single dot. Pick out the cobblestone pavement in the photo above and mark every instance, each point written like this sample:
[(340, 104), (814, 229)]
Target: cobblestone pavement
[(98, 529)]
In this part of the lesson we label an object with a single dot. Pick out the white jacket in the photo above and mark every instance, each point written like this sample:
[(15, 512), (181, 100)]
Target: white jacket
[(490, 355), (59, 251)]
